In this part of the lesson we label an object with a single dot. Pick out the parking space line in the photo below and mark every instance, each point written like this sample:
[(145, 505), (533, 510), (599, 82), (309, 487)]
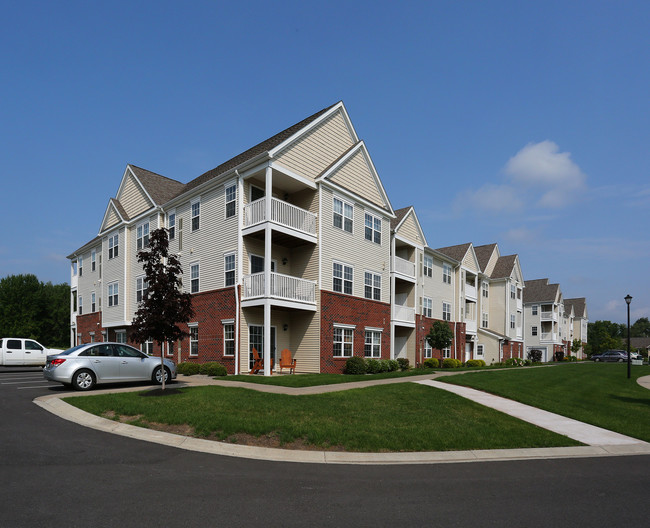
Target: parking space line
[(19, 382), (35, 387)]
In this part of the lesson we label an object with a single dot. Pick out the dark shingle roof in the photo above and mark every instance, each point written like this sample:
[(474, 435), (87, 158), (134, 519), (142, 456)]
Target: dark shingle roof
[(539, 290), (455, 252), (579, 305), (399, 216), (483, 254), (120, 208), (503, 267), (160, 188)]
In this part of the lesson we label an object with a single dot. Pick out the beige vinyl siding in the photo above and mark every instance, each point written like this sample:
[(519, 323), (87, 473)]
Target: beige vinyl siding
[(111, 218), (87, 283), (132, 197), (356, 176), (134, 268), (492, 262), (113, 271), (319, 148), (352, 248), (498, 318), (439, 291), (490, 348), (470, 262), (409, 230)]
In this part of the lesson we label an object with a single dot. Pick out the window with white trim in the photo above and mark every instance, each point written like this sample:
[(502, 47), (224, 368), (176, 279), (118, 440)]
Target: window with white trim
[(113, 294), (427, 307), (446, 352), (93, 260), (194, 277), (512, 322), (480, 353), (141, 289), (428, 266), (196, 214), (342, 341), (484, 320), (229, 263), (229, 339), (372, 286), (428, 349), (231, 200), (171, 225), (169, 347), (142, 236), (446, 311), (80, 305), (343, 213), (81, 265), (120, 336), (513, 291), (373, 228), (485, 291), (194, 340), (147, 347), (372, 346), (114, 246), (446, 273), (342, 278), (533, 309), (533, 331), (92, 302), (75, 266)]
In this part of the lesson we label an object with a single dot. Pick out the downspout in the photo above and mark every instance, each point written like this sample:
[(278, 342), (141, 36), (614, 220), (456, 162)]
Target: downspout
[(240, 202)]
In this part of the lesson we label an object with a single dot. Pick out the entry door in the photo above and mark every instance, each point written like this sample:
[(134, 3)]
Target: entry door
[(468, 351), (400, 346), (256, 340)]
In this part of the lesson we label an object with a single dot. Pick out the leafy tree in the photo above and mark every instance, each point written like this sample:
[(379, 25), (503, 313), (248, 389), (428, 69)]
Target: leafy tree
[(641, 328), (604, 335), (165, 305), (576, 345), (440, 335)]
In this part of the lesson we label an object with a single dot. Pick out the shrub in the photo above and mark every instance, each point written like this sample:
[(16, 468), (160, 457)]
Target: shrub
[(187, 368), (527, 362), (451, 363), (355, 365), (514, 362), (373, 366), (403, 364), (535, 356), (431, 363), (559, 355), (475, 363), (393, 365), (213, 368)]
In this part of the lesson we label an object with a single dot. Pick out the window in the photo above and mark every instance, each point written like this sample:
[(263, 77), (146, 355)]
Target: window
[(196, 214), (81, 265), (93, 260), (114, 246), (231, 197), (142, 236), (485, 289), (372, 288), (171, 225), (81, 302), (229, 269), (479, 351), (194, 340), (74, 267), (170, 348), (446, 273), (141, 289), (427, 307), (342, 278), (194, 276), (373, 228), (534, 309), (533, 331), (113, 294), (372, 347), (229, 339), (120, 336), (147, 347), (484, 320), (446, 352), (343, 341), (446, 311), (92, 301), (343, 215), (512, 322), (428, 351), (513, 291), (74, 300), (428, 266)]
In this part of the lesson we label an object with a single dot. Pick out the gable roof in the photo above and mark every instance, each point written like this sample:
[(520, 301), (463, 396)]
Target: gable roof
[(400, 214), (504, 266), (160, 188), (455, 252), (539, 290), (579, 305), (483, 254)]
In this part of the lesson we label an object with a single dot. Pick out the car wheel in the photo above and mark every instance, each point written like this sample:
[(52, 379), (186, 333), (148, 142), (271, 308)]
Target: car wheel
[(83, 380), (620, 360), (596, 360), (157, 378)]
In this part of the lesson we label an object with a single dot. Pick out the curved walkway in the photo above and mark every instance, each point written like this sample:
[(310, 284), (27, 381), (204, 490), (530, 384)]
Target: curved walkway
[(600, 442)]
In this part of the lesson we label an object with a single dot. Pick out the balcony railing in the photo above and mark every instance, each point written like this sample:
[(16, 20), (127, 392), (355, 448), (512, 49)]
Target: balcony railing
[(470, 291), (548, 336), (470, 325), (404, 267), (549, 316), (282, 213), (403, 313), (283, 287)]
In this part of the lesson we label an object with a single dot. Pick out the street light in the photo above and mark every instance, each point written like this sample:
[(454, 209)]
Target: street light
[(628, 300)]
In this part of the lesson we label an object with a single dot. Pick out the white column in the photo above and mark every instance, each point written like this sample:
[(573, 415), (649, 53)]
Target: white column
[(267, 273)]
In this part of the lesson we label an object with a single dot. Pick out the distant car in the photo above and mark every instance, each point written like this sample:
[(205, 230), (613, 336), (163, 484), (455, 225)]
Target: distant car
[(84, 366), (615, 355), (21, 352)]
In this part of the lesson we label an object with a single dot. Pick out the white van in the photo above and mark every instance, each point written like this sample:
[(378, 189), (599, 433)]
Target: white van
[(15, 351)]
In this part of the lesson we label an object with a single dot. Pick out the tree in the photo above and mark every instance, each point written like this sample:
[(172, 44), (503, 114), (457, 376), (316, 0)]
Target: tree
[(440, 335), (641, 328), (576, 345), (165, 306), (604, 335)]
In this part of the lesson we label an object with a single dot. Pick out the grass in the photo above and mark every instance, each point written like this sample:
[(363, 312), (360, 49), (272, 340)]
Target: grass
[(598, 394), (400, 417), (312, 380)]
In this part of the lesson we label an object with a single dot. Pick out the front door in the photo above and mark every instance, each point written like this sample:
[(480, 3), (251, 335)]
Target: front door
[(468, 351), (256, 340)]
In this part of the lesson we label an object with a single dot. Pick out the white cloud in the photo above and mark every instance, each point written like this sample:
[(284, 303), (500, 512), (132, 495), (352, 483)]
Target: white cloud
[(490, 197), (553, 173)]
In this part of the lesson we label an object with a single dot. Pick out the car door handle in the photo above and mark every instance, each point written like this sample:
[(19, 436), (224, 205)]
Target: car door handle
[(97, 360)]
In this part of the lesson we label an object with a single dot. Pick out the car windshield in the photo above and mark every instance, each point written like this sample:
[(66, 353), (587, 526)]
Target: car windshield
[(71, 350)]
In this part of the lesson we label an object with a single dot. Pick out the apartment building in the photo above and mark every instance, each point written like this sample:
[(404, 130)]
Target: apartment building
[(577, 327), (291, 244), (545, 328)]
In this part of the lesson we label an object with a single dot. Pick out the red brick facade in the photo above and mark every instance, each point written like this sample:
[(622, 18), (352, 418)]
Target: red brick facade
[(422, 328), (337, 308), (513, 349)]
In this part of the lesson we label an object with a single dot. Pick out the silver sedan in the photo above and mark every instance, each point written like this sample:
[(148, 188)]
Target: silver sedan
[(84, 366)]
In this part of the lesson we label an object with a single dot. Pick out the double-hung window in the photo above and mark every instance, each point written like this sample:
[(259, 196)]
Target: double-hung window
[(534, 308), (479, 351), (485, 289), (372, 286), (196, 214), (446, 273), (373, 228), (513, 291), (92, 302), (484, 320), (194, 340), (428, 350), (512, 322), (113, 294), (372, 346), (533, 331), (142, 236), (229, 269), (114, 246), (231, 200), (342, 341), (171, 225), (427, 270), (93, 260), (228, 339), (194, 277), (81, 305), (342, 278), (446, 311), (81, 265), (141, 289), (427, 307), (343, 213)]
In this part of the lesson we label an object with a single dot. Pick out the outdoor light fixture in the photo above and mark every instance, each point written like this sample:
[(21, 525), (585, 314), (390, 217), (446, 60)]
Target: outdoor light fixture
[(628, 300), (284, 261), (285, 327)]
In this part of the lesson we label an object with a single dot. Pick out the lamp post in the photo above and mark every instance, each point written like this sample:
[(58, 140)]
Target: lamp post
[(628, 300)]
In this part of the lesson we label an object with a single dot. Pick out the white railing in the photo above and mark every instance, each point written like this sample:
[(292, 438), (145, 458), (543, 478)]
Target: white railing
[(282, 287), (550, 316), (470, 326), (548, 336), (283, 213), (403, 313), (519, 304), (403, 266), (470, 290)]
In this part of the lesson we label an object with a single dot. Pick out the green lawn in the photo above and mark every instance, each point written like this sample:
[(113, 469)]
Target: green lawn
[(400, 417), (595, 393), (312, 380)]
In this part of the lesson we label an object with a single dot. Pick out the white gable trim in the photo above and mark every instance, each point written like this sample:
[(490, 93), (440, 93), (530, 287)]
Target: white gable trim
[(109, 207), (356, 198), (417, 223), (129, 170)]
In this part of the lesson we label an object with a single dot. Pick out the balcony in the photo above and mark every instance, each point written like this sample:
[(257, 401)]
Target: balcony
[(404, 267), (283, 288), (548, 336), (548, 316), (404, 314), (470, 291), (285, 215), (470, 326)]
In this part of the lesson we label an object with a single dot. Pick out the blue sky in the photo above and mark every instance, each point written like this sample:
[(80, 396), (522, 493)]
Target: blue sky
[(522, 123)]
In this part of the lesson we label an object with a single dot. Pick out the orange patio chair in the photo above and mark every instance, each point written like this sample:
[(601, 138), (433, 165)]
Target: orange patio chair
[(286, 361)]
